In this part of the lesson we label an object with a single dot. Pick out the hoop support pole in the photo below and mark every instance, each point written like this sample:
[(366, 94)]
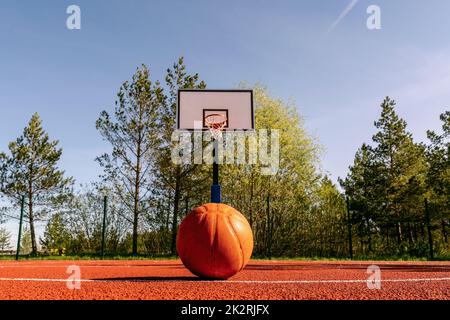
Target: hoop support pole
[(215, 188)]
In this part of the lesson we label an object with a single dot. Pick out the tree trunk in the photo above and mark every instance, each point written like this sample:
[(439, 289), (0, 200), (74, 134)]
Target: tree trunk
[(387, 237), (369, 235), (175, 212), (32, 232), (30, 209), (137, 186), (399, 233), (410, 234), (444, 231), (430, 235), (186, 205), (167, 216), (135, 225), (422, 230), (136, 214), (415, 235)]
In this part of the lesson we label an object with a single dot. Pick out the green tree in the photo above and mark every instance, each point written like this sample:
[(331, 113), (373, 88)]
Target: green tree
[(32, 170), (279, 206), (56, 236), (26, 242), (181, 183), (402, 169), (84, 221), (438, 176), (386, 185), (328, 220), (438, 158), (133, 136), (5, 239), (362, 187)]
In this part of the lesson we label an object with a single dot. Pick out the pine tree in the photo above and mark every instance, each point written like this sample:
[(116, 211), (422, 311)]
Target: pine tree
[(386, 184), (133, 137), (362, 187), (177, 183), (402, 169), (438, 176), (31, 170), (438, 158)]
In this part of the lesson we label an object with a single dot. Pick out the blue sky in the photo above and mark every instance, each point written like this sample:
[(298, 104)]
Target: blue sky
[(337, 78)]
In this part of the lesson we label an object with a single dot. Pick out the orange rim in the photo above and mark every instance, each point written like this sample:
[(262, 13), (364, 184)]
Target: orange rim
[(211, 123)]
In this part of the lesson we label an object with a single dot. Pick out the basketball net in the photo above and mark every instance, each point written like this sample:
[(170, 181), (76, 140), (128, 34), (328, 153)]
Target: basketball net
[(216, 123)]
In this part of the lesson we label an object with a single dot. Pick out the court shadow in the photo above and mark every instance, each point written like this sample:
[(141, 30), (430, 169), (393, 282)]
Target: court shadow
[(154, 279)]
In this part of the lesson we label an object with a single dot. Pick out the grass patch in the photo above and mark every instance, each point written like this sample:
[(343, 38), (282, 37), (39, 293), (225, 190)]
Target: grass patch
[(355, 258), (443, 257), (88, 257)]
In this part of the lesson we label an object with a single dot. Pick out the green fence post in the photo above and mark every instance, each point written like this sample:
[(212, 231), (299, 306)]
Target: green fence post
[(430, 235), (105, 208), (22, 205)]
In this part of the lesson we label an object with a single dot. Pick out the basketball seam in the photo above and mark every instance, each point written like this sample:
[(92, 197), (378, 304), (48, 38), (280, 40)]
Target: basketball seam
[(238, 241)]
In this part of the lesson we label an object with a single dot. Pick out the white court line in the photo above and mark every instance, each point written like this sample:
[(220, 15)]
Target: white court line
[(65, 266), (12, 266), (338, 281), (225, 281)]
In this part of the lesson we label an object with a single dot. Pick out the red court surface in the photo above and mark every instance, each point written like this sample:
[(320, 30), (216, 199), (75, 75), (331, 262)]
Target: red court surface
[(279, 280)]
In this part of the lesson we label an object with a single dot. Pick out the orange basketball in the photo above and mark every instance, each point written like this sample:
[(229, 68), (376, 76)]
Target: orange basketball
[(215, 241)]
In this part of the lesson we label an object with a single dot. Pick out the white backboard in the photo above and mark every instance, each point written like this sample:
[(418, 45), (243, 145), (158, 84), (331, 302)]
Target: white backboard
[(194, 105)]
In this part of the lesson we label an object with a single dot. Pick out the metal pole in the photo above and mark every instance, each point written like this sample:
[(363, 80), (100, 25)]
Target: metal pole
[(349, 226), (105, 209), (215, 188), (215, 173), (216, 162), (430, 235), (22, 206)]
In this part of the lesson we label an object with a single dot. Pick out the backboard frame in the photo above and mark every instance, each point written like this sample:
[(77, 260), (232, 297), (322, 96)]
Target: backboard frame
[(220, 110)]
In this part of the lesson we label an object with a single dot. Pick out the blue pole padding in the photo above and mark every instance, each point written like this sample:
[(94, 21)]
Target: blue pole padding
[(216, 193)]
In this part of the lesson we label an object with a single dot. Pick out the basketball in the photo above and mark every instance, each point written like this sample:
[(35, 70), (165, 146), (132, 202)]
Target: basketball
[(215, 241)]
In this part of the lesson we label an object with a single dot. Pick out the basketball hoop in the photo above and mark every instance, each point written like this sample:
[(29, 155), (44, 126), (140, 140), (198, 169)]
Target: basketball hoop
[(215, 123), (216, 110)]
